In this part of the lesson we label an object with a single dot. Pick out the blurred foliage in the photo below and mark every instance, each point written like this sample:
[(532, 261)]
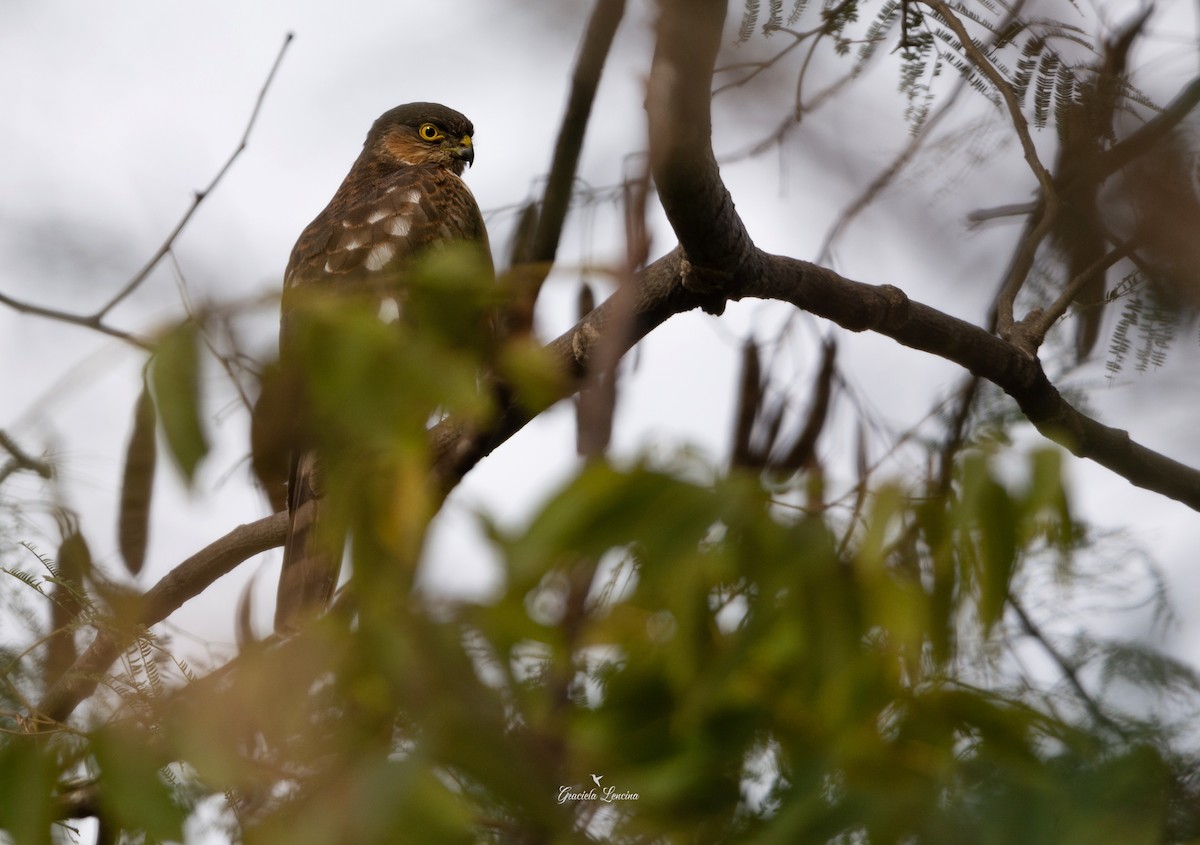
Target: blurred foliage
[(1113, 190), (679, 653), (745, 673)]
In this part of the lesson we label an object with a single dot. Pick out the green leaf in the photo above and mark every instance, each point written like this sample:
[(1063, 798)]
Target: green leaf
[(603, 508), (997, 518), (27, 778), (132, 791), (175, 375), (534, 376), (988, 523)]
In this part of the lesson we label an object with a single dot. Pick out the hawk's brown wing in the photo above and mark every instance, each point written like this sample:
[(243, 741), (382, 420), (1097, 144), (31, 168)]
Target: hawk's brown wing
[(374, 226)]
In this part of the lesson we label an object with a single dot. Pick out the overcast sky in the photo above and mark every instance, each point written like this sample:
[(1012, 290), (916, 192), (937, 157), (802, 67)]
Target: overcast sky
[(115, 113)]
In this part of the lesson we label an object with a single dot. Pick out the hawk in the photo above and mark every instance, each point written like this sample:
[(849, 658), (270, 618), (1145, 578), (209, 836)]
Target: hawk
[(403, 196)]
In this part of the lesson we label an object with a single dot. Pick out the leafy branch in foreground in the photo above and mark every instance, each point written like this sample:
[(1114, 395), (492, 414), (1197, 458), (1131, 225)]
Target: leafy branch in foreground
[(732, 655)]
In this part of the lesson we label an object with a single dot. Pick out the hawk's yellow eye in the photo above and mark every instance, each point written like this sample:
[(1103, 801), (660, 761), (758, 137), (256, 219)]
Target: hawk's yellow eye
[(430, 132)]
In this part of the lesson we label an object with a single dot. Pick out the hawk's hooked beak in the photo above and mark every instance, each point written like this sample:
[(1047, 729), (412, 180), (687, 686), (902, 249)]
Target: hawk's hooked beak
[(465, 150)]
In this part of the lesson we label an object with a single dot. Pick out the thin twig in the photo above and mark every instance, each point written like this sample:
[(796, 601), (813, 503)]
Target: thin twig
[(1064, 666), (985, 66), (185, 581), (22, 459), (885, 178), (88, 321), (95, 321), (999, 212), (914, 145), (765, 64), (799, 108), (1050, 205), (200, 195), (206, 336), (1038, 322)]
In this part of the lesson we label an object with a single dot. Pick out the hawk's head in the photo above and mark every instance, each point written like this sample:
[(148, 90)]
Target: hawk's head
[(422, 133)]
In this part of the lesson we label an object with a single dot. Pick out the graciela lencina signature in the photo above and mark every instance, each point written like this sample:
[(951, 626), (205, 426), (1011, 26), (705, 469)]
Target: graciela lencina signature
[(600, 792)]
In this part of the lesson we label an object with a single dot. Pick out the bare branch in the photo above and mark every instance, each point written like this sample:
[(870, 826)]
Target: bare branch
[(678, 102), (1034, 327), (87, 321), (535, 252), (1068, 671), (757, 68), (985, 215), (199, 196), (185, 581), (914, 145), (985, 66), (597, 41), (722, 264), (664, 289), (1143, 140), (1038, 231), (889, 173), (887, 310), (95, 320), (21, 460)]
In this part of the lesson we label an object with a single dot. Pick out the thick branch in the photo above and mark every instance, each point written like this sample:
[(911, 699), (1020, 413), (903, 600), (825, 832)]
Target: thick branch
[(887, 311), (681, 157), (597, 41), (658, 293), (722, 264), (185, 581), (662, 291)]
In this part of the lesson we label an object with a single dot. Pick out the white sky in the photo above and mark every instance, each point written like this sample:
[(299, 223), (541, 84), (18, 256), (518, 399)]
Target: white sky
[(115, 113)]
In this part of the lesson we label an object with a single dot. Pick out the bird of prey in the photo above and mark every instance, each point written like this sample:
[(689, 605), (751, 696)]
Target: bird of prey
[(403, 196)]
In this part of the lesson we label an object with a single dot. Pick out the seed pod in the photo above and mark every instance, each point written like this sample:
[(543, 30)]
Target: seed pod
[(137, 487)]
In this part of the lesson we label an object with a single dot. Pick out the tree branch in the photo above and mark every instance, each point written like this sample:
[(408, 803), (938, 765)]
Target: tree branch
[(685, 170), (721, 264), (185, 581), (915, 143), (537, 241), (95, 320), (21, 460), (87, 321), (1050, 205), (1068, 671), (1152, 131), (1038, 322), (597, 41), (717, 262), (199, 196), (888, 311)]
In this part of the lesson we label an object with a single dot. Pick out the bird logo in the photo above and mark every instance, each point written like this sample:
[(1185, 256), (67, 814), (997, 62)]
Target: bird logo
[(596, 779)]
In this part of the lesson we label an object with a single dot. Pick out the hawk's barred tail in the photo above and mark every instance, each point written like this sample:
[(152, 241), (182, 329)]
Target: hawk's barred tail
[(311, 559)]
